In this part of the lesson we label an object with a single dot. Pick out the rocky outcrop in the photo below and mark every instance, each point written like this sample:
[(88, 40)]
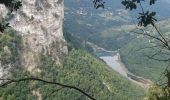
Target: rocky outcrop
[(39, 22)]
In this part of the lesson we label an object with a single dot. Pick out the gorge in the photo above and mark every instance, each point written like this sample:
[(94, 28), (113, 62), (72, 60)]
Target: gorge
[(114, 61), (72, 43)]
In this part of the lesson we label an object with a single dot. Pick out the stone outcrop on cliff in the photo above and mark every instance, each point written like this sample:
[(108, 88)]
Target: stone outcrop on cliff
[(39, 22)]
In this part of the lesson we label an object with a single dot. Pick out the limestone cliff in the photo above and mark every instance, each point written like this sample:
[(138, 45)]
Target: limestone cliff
[(39, 22)]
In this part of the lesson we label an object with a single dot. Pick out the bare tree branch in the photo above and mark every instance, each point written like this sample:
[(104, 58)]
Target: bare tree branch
[(162, 76), (157, 59), (165, 44), (147, 47), (162, 36), (10, 81)]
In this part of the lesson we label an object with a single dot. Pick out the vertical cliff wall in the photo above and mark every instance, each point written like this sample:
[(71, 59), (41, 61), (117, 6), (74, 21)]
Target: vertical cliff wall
[(39, 22)]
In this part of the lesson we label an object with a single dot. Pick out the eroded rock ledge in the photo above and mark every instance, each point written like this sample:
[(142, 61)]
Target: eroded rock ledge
[(40, 24)]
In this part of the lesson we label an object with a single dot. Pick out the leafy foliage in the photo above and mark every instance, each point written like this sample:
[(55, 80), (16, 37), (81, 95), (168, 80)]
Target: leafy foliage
[(156, 92), (12, 5), (3, 27), (147, 18), (10, 44), (98, 3), (130, 4), (18, 91)]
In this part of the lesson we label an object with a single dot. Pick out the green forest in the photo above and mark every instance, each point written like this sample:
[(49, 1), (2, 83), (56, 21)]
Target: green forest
[(84, 50)]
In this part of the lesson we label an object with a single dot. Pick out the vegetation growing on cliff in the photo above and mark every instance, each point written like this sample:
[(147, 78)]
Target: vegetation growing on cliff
[(10, 44), (81, 69)]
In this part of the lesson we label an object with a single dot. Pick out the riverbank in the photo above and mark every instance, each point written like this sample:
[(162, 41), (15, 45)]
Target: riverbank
[(116, 64)]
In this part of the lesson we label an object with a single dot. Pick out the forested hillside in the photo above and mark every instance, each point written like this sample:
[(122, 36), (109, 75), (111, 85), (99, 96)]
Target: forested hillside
[(46, 56), (111, 28), (79, 69)]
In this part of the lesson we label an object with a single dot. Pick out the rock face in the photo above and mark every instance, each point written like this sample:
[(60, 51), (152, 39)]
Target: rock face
[(39, 22)]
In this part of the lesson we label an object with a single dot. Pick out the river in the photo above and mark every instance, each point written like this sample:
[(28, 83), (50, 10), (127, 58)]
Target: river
[(113, 60)]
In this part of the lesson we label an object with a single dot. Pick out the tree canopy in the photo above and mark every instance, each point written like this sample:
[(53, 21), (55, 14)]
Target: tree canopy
[(145, 17)]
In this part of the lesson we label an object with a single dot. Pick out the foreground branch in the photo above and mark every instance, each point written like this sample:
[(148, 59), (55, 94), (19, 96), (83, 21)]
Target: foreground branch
[(10, 81)]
